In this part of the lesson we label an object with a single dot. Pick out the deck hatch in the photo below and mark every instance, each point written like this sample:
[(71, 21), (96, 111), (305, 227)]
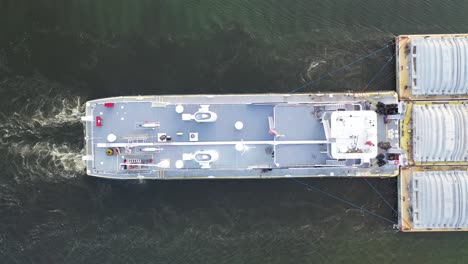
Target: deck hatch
[(440, 132), (439, 199), (439, 66)]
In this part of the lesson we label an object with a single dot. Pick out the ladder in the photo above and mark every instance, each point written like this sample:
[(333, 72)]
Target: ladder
[(161, 174)]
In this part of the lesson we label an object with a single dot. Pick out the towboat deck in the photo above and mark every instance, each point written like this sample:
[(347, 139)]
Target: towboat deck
[(240, 136)]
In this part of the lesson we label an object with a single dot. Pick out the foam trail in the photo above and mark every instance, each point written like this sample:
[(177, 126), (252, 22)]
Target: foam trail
[(44, 159), (28, 139), (67, 111), (38, 138), (46, 116)]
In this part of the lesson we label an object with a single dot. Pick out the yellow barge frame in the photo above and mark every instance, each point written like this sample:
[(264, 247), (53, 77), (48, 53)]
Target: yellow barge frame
[(407, 79)]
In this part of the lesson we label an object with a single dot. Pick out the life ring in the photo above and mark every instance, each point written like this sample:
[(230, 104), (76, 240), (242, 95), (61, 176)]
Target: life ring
[(109, 152), (396, 162)]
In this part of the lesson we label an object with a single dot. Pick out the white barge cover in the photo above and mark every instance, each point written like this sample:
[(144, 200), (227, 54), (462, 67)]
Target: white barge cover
[(440, 132), (439, 199), (439, 65)]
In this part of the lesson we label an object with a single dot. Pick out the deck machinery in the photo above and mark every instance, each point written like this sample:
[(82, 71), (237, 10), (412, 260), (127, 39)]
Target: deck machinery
[(418, 133)]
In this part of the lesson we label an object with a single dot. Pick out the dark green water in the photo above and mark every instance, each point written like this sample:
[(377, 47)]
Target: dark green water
[(55, 55)]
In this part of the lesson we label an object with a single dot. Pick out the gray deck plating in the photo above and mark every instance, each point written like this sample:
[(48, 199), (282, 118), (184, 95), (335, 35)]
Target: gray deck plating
[(300, 147)]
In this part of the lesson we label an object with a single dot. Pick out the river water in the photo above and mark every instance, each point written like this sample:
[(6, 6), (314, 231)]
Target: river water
[(55, 55)]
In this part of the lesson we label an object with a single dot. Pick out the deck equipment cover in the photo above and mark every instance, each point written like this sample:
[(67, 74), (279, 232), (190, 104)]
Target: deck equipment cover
[(439, 65), (439, 199)]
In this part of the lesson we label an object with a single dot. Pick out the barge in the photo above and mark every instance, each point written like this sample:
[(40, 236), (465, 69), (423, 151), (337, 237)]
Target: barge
[(418, 132), (432, 82)]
